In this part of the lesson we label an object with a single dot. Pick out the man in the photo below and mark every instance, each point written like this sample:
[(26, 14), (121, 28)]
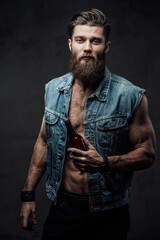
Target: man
[(90, 188)]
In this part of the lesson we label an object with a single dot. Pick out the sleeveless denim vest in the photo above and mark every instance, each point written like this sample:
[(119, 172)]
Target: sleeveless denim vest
[(106, 123)]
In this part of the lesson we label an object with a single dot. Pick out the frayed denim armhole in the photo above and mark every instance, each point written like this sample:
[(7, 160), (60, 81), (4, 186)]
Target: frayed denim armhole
[(140, 93)]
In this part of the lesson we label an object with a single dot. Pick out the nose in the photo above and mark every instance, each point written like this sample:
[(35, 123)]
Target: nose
[(87, 47)]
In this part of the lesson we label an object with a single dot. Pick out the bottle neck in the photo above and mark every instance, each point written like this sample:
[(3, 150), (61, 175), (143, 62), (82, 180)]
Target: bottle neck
[(69, 126)]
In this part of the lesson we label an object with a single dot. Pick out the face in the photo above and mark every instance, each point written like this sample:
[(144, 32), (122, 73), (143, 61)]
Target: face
[(88, 49), (88, 43)]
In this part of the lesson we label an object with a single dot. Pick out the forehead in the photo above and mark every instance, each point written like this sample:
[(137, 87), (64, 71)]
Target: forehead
[(88, 31)]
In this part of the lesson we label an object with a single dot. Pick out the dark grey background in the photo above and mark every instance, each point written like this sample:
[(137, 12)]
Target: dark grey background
[(33, 50)]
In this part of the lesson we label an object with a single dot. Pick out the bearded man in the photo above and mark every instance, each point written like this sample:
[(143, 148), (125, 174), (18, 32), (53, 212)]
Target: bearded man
[(89, 188)]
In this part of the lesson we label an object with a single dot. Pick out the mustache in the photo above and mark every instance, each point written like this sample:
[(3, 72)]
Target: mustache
[(87, 56)]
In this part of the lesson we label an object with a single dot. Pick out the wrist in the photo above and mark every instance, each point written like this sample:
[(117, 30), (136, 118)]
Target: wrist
[(105, 167), (27, 196)]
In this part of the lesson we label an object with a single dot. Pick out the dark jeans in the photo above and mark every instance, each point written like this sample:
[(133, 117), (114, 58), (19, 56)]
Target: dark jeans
[(72, 218)]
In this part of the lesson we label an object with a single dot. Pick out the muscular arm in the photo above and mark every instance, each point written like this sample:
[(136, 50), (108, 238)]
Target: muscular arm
[(36, 171), (142, 138), (38, 161)]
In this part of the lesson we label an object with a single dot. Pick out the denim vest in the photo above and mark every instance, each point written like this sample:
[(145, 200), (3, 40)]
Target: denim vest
[(106, 123)]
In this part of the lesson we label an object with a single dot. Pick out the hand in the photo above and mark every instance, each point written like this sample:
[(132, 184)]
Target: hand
[(86, 161), (28, 211)]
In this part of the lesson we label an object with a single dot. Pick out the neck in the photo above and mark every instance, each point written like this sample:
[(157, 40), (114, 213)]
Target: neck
[(84, 87)]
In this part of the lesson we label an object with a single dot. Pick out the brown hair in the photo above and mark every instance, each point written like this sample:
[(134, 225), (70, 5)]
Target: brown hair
[(93, 17)]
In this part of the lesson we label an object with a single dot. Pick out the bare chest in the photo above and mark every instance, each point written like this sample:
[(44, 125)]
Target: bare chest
[(76, 112)]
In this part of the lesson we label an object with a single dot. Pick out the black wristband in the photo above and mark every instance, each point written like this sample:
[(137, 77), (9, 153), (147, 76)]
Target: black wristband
[(105, 167), (27, 196)]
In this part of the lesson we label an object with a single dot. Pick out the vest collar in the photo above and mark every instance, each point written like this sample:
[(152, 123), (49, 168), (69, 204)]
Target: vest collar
[(101, 92)]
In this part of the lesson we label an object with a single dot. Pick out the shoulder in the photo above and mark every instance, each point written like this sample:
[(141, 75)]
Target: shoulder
[(129, 94), (124, 84), (56, 82), (141, 115)]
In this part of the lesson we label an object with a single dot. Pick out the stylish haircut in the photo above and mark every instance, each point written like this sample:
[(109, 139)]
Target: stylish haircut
[(93, 17)]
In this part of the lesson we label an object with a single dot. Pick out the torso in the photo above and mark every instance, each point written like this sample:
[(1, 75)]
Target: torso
[(73, 180)]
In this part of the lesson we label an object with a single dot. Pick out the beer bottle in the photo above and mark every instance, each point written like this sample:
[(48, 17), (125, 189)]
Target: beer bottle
[(74, 139)]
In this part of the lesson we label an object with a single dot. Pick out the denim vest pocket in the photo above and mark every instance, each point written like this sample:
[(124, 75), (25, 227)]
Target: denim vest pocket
[(113, 183), (108, 131), (51, 121)]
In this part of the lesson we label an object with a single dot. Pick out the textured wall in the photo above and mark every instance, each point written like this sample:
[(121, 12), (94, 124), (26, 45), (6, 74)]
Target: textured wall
[(33, 50)]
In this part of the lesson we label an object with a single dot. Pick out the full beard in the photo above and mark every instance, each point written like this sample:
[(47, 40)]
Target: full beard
[(88, 73)]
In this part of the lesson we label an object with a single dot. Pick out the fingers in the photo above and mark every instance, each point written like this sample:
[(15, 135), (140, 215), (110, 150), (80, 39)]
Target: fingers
[(74, 152), (31, 221), (30, 225), (34, 219), (28, 215), (86, 161), (24, 221), (28, 221), (79, 165), (89, 145), (85, 167)]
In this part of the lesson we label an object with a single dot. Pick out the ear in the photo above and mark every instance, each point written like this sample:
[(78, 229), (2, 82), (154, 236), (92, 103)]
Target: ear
[(107, 46), (70, 44)]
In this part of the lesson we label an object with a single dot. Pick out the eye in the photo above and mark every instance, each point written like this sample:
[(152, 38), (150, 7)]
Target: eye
[(79, 40), (96, 41)]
